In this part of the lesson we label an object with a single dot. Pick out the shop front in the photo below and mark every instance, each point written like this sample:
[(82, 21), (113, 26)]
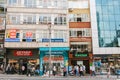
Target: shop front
[(102, 61), (59, 59), (22, 57), (81, 59)]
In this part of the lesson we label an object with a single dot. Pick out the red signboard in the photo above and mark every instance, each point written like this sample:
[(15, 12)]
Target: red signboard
[(28, 34), (13, 33), (23, 53)]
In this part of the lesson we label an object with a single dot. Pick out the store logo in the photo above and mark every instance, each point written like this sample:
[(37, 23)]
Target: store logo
[(23, 53)]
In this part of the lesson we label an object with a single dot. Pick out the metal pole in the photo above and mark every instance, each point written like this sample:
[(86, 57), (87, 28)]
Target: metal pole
[(49, 49)]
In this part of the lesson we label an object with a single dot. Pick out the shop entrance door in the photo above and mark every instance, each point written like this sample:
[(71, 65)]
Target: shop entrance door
[(56, 61), (23, 62), (83, 62)]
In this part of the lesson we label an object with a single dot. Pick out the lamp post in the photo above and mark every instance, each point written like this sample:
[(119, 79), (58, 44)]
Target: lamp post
[(49, 28)]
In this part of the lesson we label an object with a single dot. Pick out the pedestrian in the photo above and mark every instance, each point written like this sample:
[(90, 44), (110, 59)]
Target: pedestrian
[(54, 70), (23, 69), (108, 72), (74, 69), (81, 70), (64, 71), (92, 68), (8, 69), (2, 67), (77, 70), (84, 70)]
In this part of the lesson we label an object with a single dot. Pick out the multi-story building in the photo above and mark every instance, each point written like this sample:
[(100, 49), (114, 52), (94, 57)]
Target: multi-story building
[(105, 24), (2, 30), (80, 33), (34, 30)]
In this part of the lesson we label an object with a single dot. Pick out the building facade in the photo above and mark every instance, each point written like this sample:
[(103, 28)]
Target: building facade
[(61, 33), (2, 30), (80, 33), (105, 32), (34, 30)]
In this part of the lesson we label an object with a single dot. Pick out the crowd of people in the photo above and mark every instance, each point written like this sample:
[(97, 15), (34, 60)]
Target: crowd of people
[(28, 70), (77, 70)]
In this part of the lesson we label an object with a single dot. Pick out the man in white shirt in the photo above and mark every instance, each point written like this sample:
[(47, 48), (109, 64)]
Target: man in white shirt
[(92, 68)]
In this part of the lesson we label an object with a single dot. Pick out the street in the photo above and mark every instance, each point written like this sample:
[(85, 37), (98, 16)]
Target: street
[(24, 77)]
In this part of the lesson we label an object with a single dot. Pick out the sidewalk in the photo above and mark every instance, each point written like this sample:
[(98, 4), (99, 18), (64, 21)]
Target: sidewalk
[(87, 76)]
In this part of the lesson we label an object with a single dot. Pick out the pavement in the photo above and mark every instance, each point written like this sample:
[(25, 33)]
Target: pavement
[(88, 77)]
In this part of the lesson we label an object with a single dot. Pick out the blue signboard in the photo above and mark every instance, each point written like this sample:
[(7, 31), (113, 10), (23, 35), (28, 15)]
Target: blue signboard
[(12, 40), (53, 52), (52, 40), (28, 40), (54, 48)]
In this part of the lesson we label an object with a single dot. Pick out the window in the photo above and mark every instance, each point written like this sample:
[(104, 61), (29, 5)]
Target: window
[(79, 17), (79, 33), (80, 47), (78, 4), (12, 2), (56, 34), (30, 3), (44, 19), (13, 19), (60, 19), (29, 19), (2, 21), (85, 32)]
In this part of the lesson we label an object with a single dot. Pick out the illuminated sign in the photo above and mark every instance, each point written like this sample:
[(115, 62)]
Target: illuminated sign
[(13, 33), (12, 40), (81, 55), (23, 53), (28, 34)]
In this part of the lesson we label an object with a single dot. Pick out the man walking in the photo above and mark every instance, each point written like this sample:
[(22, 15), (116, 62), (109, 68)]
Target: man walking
[(92, 68)]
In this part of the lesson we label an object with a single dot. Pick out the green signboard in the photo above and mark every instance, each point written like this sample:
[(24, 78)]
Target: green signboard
[(81, 55)]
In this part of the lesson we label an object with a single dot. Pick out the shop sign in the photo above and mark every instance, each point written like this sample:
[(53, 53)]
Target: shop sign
[(53, 52), (81, 55), (53, 58), (28, 34), (23, 53), (13, 33), (28, 40), (12, 40), (52, 40)]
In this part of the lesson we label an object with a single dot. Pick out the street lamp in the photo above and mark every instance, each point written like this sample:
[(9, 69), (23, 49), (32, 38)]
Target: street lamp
[(49, 28)]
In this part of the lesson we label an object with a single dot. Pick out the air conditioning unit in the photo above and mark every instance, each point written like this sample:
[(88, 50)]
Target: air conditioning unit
[(70, 9)]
